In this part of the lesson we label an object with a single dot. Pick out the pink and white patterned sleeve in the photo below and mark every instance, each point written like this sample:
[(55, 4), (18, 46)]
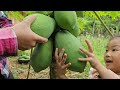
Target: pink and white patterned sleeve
[(8, 42)]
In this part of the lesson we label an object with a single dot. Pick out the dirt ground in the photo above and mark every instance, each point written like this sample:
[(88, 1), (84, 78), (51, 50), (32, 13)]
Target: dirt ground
[(20, 71)]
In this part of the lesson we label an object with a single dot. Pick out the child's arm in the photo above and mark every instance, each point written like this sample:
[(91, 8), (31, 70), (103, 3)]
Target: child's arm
[(95, 63), (60, 64), (106, 73)]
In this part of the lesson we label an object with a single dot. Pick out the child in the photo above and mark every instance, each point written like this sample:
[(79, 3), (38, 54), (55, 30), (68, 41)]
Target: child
[(111, 57)]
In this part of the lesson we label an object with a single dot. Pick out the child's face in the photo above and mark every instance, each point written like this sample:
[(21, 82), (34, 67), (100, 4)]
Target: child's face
[(112, 55)]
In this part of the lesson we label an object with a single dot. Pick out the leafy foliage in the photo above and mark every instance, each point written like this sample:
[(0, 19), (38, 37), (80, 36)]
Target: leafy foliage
[(88, 23), (110, 18), (19, 15)]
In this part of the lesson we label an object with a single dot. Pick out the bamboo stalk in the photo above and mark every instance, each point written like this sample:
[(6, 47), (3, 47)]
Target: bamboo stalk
[(103, 23)]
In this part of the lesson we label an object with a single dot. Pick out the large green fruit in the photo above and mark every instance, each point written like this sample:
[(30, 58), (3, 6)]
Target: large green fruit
[(76, 30), (43, 25), (71, 44), (42, 56), (80, 13), (66, 19)]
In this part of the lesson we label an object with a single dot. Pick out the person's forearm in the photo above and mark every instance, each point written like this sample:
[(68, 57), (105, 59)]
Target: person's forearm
[(106, 73), (8, 42)]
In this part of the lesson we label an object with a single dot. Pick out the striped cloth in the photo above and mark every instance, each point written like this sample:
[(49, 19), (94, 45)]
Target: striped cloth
[(8, 45)]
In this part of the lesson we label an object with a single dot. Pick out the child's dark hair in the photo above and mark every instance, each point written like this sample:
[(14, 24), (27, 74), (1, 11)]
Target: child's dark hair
[(116, 36)]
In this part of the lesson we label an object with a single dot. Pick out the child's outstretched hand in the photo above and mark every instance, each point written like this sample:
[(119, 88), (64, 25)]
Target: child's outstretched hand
[(94, 62), (60, 64)]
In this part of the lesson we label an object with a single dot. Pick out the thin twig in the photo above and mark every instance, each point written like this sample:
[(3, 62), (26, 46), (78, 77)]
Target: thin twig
[(29, 63), (103, 23)]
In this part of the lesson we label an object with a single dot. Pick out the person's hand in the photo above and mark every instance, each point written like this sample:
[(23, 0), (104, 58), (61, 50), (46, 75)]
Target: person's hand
[(94, 62), (60, 64), (93, 74), (25, 36)]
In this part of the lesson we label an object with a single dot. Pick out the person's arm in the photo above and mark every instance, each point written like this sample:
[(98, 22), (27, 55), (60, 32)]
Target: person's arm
[(7, 39), (106, 73), (25, 36), (21, 33), (8, 42), (60, 64), (95, 63)]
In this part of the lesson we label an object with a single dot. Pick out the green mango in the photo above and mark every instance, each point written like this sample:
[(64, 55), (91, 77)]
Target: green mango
[(43, 25), (80, 13), (66, 19), (42, 56), (71, 44)]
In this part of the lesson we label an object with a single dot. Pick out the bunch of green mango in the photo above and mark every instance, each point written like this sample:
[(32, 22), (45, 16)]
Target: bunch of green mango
[(61, 28)]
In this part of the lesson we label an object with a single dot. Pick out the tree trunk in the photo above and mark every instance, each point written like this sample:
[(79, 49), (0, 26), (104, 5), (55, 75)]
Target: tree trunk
[(52, 70)]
